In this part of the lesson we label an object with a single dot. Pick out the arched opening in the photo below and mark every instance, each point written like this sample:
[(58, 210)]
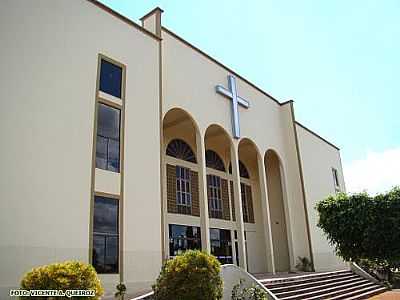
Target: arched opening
[(217, 154), (277, 211), (180, 184), (251, 207)]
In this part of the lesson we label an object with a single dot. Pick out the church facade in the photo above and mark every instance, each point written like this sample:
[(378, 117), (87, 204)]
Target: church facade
[(127, 145)]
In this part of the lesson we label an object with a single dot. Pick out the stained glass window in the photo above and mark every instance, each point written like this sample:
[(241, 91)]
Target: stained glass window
[(213, 161), (180, 149)]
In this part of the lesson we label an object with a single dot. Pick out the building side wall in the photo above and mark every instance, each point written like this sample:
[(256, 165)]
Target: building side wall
[(47, 89), (318, 158)]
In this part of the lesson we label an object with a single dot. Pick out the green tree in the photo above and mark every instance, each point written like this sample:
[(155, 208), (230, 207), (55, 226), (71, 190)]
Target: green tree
[(360, 226), (194, 275)]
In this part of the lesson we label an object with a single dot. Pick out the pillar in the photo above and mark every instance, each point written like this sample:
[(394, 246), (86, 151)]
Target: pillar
[(204, 220), (238, 206)]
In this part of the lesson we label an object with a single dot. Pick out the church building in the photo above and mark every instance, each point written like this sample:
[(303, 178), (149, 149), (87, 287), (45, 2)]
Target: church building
[(125, 145)]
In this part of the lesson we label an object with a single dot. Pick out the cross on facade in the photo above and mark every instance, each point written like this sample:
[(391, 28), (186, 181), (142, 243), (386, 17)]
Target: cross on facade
[(236, 100)]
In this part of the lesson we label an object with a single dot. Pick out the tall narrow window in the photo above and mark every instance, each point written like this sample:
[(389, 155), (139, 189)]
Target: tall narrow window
[(108, 138), (110, 78), (214, 196), (105, 235), (183, 193), (244, 203), (336, 180)]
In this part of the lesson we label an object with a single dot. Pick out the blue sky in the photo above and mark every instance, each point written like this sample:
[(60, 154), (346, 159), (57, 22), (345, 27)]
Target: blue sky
[(338, 60)]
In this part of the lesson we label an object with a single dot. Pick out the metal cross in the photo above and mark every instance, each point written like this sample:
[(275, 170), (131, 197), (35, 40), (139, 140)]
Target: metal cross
[(232, 94)]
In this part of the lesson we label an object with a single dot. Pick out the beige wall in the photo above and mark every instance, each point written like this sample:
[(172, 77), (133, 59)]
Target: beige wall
[(47, 90), (318, 158)]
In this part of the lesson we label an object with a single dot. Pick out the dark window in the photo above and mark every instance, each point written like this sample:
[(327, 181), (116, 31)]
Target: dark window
[(183, 193), (214, 161), (242, 170), (221, 245), (237, 252), (108, 138), (105, 235), (244, 203), (180, 149), (182, 238), (214, 196), (110, 78), (335, 179)]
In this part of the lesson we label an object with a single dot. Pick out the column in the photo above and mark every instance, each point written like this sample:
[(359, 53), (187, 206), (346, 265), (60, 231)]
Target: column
[(164, 206), (265, 213), (238, 205), (204, 220)]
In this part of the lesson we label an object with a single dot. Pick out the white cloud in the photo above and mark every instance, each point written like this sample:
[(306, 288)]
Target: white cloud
[(376, 173)]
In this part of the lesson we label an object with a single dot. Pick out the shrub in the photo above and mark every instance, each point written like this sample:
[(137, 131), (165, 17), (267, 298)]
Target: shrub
[(304, 264), (194, 275), (121, 291), (250, 293), (69, 275)]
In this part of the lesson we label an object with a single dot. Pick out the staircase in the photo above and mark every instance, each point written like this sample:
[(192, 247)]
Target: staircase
[(330, 285)]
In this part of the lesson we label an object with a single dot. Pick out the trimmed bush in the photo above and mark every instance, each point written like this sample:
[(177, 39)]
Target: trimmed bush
[(363, 227), (193, 275), (69, 275)]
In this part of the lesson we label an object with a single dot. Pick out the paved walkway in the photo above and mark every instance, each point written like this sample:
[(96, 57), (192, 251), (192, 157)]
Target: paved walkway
[(391, 295)]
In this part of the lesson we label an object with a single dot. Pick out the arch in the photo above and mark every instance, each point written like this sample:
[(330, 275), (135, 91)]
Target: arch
[(278, 210), (217, 139), (249, 155), (179, 149), (180, 194), (214, 161), (179, 113), (179, 124)]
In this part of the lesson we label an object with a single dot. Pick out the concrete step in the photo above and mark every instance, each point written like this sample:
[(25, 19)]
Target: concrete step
[(341, 291), (361, 293), (290, 281), (337, 285), (313, 283), (319, 286)]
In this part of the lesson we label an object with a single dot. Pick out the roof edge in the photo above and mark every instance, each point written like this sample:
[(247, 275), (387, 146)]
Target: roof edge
[(317, 135), (220, 64), (287, 102), (124, 19)]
